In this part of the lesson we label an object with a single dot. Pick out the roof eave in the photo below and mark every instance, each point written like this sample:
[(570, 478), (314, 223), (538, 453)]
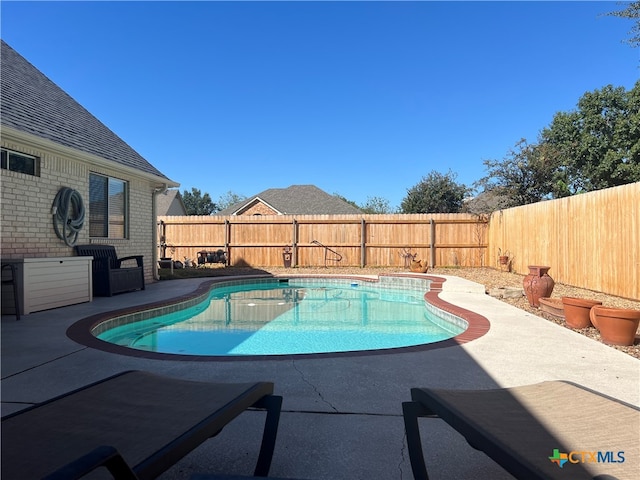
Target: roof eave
[(19, 136), (254, 200)]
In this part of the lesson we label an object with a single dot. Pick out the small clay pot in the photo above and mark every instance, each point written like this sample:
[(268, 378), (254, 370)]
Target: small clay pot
[(577, 310), (592, 317), (552, 306), (617, 326), (418, 267)]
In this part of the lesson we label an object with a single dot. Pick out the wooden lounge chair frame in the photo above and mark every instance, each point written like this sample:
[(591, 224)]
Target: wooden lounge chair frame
[(111, 275), (136, 424), (520, 427)]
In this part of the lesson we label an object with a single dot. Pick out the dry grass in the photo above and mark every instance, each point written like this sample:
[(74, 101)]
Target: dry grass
[(489, 277)]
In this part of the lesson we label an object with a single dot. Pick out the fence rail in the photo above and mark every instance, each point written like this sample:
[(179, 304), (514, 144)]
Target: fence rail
[(590, 241), (356, 240)]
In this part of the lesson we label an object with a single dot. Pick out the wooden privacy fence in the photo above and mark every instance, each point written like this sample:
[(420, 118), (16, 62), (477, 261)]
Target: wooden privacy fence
[(329, 240), (590, 240)]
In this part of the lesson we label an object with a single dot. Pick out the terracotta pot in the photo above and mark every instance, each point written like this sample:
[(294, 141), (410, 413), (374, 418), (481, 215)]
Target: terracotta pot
[(577, 310), (552, 306), (418, 267), (592, 317), (618, 326), (537, 284)]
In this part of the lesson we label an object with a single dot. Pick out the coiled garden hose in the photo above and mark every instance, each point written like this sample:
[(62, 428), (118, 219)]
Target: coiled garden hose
[(68, 215)]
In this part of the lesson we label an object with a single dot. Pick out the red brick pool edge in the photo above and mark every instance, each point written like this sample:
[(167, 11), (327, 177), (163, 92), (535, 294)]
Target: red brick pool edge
[(81, 331)]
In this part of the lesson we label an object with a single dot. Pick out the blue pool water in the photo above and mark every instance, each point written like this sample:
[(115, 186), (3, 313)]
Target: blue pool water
[(279, 318)]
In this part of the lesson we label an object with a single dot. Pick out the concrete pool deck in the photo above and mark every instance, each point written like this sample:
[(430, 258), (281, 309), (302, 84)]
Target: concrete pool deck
[(342, 416)]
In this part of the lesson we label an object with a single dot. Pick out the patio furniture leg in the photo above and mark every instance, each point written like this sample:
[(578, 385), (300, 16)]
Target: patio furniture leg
[(272, 404), (411, 411)]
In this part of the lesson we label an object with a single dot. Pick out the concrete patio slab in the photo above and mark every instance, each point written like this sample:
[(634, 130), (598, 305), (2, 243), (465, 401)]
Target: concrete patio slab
[(341, 415)]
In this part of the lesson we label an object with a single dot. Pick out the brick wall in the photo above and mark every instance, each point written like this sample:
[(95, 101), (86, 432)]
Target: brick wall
[(26, 201), (259, 208)]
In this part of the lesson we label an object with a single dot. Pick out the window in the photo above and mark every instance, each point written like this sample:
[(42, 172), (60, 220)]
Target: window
[(108, 207), (20, 162)]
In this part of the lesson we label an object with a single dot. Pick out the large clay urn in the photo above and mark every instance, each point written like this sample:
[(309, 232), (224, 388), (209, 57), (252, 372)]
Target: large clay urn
[(537, 284), (618, 326), (577, 310)]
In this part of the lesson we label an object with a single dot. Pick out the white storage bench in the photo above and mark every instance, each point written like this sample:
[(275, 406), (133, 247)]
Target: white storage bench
[(45, 283)]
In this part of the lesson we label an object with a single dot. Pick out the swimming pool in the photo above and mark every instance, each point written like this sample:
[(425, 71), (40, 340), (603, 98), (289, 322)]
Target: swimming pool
[(277, 316)]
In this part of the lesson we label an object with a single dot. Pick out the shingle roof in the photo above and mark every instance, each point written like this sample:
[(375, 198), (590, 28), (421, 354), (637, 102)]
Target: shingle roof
[(32, 103), (170, 203), (298, 200)]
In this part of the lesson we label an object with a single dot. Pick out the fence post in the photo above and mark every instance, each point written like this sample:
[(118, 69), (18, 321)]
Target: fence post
[(227, 240), (294, 243), (432, 242), (363, 243)]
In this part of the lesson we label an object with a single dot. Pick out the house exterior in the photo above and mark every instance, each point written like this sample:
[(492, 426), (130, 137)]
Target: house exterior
[(293, 200), (50, 142), (169, 203)]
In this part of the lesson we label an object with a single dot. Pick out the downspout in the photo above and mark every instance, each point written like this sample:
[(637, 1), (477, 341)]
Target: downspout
[(154, 213)]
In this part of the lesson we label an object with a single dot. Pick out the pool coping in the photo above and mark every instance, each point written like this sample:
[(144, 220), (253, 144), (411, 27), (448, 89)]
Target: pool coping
[(81, 331)]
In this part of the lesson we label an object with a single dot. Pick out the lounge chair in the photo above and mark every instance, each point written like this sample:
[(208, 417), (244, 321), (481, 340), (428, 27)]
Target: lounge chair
[(136, 424), (543, 431), (109, 458)]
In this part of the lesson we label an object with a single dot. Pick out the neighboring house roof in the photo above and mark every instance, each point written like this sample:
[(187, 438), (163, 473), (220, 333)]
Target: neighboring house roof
[(295, 200), (33, 104), (170, 203), (486, 202)]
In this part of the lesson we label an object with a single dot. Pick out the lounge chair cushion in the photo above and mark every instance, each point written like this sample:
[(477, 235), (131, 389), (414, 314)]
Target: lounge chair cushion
[(153, 421), (520, 427)]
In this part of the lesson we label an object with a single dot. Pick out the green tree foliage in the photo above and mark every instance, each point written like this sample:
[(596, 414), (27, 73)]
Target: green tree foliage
[(376, 205), (435, 193), (228, 199), (198, 204), (597, 145), (522, 177), (631, 12)]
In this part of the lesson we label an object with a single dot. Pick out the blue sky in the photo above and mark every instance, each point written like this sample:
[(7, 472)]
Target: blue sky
[(362, 99)]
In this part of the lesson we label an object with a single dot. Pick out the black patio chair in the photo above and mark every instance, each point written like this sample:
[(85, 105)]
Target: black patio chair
[(112, 275)]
